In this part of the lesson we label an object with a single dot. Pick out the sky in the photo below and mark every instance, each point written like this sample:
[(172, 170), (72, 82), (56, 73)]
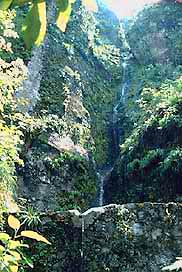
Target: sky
[(125, 8)]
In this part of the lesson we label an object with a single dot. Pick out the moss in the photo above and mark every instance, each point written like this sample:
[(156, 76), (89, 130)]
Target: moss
[(159, 29), (64, 253), (68, 74), (140, 205), (147, 170)]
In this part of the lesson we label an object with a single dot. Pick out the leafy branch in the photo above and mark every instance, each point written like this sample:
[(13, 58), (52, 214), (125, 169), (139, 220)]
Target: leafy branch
[(35, 24), (11, 256)]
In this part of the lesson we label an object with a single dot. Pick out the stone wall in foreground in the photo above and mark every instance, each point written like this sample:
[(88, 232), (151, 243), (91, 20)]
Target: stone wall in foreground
[(122, 238)]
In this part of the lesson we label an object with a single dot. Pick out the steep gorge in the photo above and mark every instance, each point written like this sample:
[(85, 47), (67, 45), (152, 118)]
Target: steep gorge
[(88, 88), (93, 144), (150, 152), (78, 88)]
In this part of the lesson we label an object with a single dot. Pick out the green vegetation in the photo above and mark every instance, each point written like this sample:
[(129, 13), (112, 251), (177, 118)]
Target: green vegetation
[(149, 166), (11, 75), (34, 26), (154, 34), (151, 152), (51, 157), (12, 257)]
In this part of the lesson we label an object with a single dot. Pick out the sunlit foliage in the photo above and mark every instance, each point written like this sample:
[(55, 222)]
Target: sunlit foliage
[(11, 75), (11, 254), (35, 24)]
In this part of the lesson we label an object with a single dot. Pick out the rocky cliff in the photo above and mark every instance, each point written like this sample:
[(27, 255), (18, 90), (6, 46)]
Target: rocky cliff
[(79, 75), (109, 110), (150, 158), (132, 237)]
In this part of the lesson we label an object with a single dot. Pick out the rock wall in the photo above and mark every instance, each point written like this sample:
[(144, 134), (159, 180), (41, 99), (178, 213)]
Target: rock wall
[(149, 166), (141, 237), (80, 72), (154, 34), (78, 91)]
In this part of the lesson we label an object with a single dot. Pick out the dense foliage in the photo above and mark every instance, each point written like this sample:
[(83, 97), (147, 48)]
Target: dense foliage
[(149, 167), (84, 121), (11, 254), (12, 73), (159, 28), (34, 26)]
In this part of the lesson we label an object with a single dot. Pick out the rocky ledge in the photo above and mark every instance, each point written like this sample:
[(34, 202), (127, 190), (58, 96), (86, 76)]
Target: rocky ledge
[(140, 237)]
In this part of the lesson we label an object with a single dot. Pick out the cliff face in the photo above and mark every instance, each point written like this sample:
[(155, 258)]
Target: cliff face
[(150, 158), (100, 89), (154, 34), (101, 86), (80, 72)]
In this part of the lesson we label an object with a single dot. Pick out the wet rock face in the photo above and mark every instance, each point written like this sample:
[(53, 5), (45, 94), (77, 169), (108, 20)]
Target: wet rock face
[(51, 180), (153, 37), (79, 74), (122, 238)]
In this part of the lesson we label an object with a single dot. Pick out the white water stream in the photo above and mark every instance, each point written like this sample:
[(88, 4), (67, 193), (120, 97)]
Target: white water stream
[(122, 92), (104, 175), (102, 179), (30, 92)]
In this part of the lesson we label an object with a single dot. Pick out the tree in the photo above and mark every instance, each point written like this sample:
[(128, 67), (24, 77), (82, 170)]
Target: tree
[(34, 26)]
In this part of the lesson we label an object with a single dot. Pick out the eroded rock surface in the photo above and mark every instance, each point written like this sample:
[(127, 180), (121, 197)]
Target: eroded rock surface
[(122, 238)]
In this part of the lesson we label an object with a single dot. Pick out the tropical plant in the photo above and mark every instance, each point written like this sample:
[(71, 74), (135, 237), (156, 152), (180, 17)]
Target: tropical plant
[(30, 217), (12, 73), (34, 26), (11, 255)]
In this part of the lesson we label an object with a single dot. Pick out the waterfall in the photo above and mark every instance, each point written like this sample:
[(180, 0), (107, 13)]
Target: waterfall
[(104, 174), (29, 91), (101, 190), (102, 179), (82, 241), (122, 92)]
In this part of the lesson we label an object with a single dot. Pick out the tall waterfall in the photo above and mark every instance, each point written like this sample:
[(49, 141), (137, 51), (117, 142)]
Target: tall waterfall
[(122, 92), (29, 90), (104, 174)]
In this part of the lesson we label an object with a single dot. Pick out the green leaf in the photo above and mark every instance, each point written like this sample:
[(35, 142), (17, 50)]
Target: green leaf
[(13, 268), (4, 236), (14, 244), (62, 5), (64, 9), (5, 4), (2, 249), (34, 235), (34, 27), (27, 261), (13, 222), (15, 254)]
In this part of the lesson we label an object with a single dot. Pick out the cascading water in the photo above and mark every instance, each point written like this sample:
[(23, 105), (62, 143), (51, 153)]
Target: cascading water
[(29, 90), (123, 92), (104, 175)]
